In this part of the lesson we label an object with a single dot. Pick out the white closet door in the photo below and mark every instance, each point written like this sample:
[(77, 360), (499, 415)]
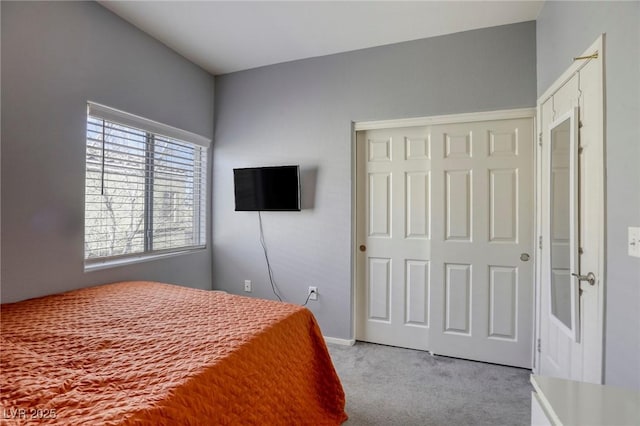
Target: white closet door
[(482, 241), (393, 190), (444, 215)]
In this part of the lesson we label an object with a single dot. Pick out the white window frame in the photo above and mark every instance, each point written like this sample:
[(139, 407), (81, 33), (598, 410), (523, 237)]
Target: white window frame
[(130, 120)]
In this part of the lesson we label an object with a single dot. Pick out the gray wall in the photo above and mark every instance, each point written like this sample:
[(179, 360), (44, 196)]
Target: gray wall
[(301, 113), (55, 57), (564, 30)]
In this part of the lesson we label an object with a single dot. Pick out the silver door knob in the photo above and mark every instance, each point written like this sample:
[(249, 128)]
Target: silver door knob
[(524, 257), (590, 278)]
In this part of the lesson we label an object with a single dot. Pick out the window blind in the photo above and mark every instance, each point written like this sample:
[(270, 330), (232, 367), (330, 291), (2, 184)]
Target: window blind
[(145, 191)]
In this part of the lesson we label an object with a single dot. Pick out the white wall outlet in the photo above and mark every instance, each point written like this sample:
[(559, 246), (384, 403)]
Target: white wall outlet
[(312, 293), (247, 286), (634, 241)]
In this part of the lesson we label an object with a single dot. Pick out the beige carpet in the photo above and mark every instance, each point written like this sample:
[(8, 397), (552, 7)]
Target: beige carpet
[(392, 386)]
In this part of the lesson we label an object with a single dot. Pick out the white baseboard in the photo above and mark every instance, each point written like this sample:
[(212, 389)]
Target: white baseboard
[(343, 342)]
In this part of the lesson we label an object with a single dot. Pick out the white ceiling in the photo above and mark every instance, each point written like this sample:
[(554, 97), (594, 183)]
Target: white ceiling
[(228, 36)]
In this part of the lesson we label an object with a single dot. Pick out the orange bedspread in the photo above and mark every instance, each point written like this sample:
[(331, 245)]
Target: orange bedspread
[(139, 353)]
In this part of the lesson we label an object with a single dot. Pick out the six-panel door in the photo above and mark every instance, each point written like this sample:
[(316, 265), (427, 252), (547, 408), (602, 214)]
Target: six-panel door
[(445, 213)]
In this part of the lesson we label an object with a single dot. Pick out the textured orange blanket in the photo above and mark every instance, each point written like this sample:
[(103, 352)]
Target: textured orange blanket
[(141, 353)]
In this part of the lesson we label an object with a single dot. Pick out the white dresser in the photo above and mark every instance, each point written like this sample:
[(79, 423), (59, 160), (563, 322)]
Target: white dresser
[(566, 402)]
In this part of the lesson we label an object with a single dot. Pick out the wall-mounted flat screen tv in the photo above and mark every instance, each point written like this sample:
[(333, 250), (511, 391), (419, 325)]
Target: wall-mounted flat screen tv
[(267, 188)]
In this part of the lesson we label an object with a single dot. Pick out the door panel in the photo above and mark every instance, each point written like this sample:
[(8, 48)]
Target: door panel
[(457, 204), (503, 205), (457, 305), (417, 210), (417, 292), (379, 288), (379, 205), (503, 302)]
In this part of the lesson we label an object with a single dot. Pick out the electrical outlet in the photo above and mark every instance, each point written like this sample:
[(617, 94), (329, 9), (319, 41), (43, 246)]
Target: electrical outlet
[(634, 242), (312, 293), (247, 286)]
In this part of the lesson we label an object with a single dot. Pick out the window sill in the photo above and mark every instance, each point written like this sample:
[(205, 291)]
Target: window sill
[(96, 265)]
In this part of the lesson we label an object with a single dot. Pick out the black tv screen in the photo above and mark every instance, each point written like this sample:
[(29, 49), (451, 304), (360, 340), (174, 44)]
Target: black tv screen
[(267, 188)]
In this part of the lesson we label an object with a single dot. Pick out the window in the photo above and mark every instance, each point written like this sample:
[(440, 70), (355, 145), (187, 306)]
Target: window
[(145, 188)]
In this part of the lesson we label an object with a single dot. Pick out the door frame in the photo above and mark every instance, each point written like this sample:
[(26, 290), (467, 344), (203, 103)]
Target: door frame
[(576, 66), (426, 121)]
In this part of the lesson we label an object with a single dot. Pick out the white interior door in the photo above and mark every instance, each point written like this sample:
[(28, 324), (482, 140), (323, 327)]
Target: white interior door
[(444, 237), (482, 242), (571, 206), (393, 198)]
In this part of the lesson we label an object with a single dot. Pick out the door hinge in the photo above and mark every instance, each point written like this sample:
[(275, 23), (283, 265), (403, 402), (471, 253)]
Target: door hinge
[(539, 346), (540, 242), (540, 138)]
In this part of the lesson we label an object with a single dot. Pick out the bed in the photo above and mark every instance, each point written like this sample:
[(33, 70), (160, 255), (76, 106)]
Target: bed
[(142, 353)]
